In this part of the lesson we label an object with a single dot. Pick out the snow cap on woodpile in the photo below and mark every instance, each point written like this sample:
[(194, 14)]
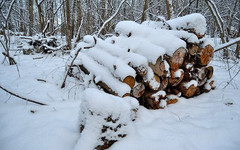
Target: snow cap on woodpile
[(158, 37), (194, 21)]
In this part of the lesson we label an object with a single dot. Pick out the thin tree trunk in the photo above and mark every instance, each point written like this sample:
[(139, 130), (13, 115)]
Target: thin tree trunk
[(68, 36), (143, 18), (41, 19), (30, 9)]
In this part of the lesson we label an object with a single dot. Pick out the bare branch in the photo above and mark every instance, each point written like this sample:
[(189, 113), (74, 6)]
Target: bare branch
[(225, 45), (26, 99), (109, 19)]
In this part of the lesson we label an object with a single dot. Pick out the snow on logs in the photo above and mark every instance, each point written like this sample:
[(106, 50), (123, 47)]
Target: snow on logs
[(154, 65)]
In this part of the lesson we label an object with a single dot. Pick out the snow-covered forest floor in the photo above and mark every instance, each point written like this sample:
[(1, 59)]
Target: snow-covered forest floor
[(210, 121)]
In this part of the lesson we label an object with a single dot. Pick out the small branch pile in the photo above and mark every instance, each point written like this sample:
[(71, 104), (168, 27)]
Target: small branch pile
[(155, 62)]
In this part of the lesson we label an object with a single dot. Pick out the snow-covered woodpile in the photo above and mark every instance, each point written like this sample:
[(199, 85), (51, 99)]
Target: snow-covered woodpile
[(155, 62)]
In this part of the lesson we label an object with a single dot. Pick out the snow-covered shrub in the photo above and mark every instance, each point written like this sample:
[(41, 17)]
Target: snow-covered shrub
[(104, 119)]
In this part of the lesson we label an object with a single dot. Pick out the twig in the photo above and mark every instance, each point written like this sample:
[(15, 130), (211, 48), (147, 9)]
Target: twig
[(26, 99), (225, 45), (76, 54), (109, 19), (232, 79)]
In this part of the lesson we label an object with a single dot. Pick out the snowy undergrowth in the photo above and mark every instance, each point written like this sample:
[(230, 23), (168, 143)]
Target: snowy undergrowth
[(209, 121)]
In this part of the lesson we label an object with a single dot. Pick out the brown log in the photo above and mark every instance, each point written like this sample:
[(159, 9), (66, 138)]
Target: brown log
[(129, 80), (160, 68), (202, 82), (177, 59), (192, 49), (204, 55), (141, 70), (172, 99), (103, 85), (176, 77), (138, 90), (187, 91), (157, 79), (164, 83), (209, 72), (153, 99), (209, 86)]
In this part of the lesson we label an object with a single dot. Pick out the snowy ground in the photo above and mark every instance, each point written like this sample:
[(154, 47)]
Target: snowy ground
[(208, 122)]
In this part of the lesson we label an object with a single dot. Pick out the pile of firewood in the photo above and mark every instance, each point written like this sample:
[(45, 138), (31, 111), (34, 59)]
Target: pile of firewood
[(154, 78)]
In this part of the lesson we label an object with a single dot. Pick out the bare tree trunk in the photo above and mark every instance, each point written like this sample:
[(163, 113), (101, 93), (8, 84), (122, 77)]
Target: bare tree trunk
[(30, 9), (79, 19), (169, 7), (143, 18), (41, 19), (237, 51), (68, 35)]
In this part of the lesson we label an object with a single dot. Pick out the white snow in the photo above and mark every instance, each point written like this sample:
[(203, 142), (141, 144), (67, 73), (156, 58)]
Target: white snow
[(150, 79), (209, 121), (162, 38), (178, 73), (194, 21), (190, 83), (159, 94), (102, 74)]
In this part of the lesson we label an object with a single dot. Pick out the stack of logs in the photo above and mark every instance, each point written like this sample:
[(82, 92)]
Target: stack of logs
[(186, 73)]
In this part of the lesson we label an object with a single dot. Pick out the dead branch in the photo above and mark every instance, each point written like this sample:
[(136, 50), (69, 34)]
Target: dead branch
[(76, 54), (109, 19), (23, 98), (225, 45)]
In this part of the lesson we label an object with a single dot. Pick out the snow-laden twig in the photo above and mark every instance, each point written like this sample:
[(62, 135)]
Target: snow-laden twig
[(26, 99), (109, 19), (225, 45)]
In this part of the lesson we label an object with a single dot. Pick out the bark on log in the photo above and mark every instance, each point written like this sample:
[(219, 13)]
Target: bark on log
[(172, 99)]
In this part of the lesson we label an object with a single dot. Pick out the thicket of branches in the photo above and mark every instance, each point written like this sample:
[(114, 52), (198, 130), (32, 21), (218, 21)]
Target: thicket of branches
[(75, 18)]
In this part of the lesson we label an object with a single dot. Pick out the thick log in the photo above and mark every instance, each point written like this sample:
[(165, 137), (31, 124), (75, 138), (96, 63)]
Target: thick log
[(172, 99), (192, 49), (176, 77), (209, 86), (209, 72), (141, 70), (129, 80), (157, 67), (138, 90), (106, 81), (164, 83), (204, 55), (188, 89), (153, 100), (177, 59)]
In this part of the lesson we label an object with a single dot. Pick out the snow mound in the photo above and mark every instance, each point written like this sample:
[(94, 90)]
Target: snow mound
[(104, 119)]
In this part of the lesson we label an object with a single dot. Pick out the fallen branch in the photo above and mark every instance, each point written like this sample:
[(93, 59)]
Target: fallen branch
[(225, 45), (26, 99), (76, 54)]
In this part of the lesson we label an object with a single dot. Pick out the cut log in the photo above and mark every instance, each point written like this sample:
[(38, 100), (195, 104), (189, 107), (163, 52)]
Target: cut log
[(192, 49), (157, 67), (164, 83), (172, 99), (176, 77), (138, 90), (204, 55), (209, 72), (115, 65), (178, 58), (152, 100), (209, 86), (141, 70), (188, 89), (151, 80), (103, 77)]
